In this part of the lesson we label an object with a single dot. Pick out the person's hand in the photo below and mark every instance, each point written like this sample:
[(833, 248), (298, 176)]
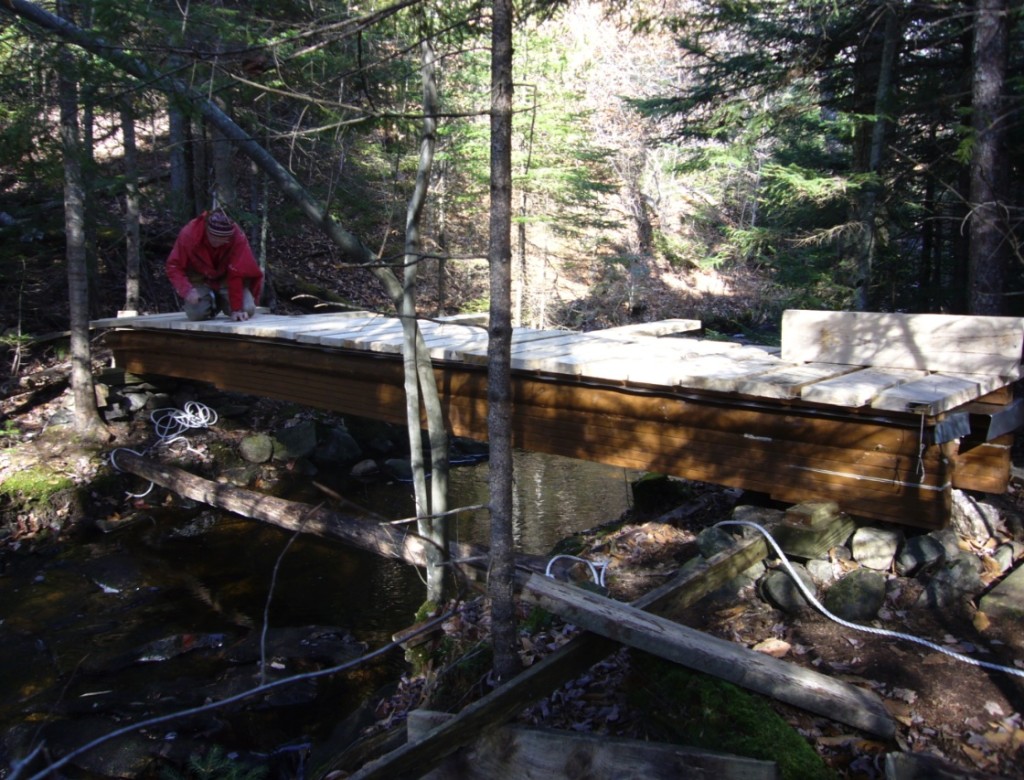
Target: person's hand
[(239, 316), (192, 298)]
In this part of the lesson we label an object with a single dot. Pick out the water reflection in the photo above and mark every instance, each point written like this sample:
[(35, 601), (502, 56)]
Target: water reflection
[(552, 498)]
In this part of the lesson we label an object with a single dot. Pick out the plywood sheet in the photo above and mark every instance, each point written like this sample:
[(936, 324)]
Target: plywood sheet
[(859, 387), (933, 342)]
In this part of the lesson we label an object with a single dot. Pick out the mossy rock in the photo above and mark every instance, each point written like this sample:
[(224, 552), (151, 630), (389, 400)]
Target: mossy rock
[(35, 485), (698, 710)]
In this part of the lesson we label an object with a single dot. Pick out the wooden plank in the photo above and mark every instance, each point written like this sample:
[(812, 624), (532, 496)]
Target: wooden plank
[(935, 393), (660, 328), (787, 382), (721, 374), (519, 751), (772, 677), (932, 342), (476, 352), (857, 388), (137, 320)]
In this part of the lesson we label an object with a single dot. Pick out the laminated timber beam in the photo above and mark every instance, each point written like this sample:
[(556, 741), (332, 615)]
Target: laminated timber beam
[(875, 463)]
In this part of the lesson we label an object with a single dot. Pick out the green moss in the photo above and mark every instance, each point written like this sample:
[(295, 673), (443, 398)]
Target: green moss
[(35, 485), (702, 711)]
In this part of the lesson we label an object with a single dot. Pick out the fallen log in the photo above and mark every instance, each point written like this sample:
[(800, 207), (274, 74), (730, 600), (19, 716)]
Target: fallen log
[(390, 541), (804, 688), (573, 658)]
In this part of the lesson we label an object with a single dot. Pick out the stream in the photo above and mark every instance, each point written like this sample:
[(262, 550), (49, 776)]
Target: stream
[(173, 611)]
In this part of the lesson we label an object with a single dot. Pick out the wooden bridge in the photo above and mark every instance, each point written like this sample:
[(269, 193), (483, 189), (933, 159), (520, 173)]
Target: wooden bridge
[(886, 414)]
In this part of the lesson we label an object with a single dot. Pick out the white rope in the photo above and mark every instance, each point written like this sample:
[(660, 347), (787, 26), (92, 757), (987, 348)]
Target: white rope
[(858, 627), (598, 569), (169, 424)]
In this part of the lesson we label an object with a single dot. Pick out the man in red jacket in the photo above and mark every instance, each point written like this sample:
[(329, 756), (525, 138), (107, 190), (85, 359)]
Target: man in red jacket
[(211, 266)]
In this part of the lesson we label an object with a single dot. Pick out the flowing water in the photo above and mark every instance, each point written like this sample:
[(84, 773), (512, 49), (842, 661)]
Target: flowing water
[(170, 612)]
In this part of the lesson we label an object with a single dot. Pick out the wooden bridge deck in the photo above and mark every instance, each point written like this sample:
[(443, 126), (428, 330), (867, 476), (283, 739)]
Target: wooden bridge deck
[(884, 415)]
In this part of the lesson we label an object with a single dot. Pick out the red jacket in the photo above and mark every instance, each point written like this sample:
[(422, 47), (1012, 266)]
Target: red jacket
[(193, 261)]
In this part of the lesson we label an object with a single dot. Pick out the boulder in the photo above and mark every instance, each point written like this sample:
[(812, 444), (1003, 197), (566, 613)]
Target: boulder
[(858, 596), (875, 547), (778, 589)]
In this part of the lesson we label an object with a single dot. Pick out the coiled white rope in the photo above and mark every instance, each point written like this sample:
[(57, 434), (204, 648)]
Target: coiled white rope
[(857, 626), (598, 569), (170, 423)]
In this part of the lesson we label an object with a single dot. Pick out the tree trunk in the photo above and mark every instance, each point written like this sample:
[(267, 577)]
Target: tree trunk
[(87, 419), (988, 256), (867, 244), (501, 577), (180, 191), (430, 506), (131, 208)]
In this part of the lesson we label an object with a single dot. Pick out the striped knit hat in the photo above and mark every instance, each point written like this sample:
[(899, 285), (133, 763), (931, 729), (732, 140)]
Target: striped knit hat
[(218, 224)]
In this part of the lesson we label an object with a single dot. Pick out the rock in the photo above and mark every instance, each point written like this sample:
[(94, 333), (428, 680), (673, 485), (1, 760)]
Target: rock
[(974, 519), (919, 552), (258, 448), (821, 571), (758, 515), (776, 648), (656, 492), (714, 540), (295, 442), (949, 540), (1005, 555), (365, 469), (875, 547), (778, 588), (337, 445), (858, 596), (399, 469), (957, 579), (1006, 600)]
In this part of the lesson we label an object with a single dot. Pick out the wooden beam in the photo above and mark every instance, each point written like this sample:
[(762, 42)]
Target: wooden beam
[(772, 677), (873, 465), (573, 658)]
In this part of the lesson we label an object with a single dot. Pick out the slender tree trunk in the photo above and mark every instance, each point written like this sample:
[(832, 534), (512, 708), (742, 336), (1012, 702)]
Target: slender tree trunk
[(131, 208), (501, 577), (431, 505), (222, 155), (180, 189), (867, 250), (988, 247), (87, 419)]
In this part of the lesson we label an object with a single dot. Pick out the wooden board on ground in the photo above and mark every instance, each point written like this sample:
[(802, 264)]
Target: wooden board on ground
[(518, 751), (787, 682), (933, 342)]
